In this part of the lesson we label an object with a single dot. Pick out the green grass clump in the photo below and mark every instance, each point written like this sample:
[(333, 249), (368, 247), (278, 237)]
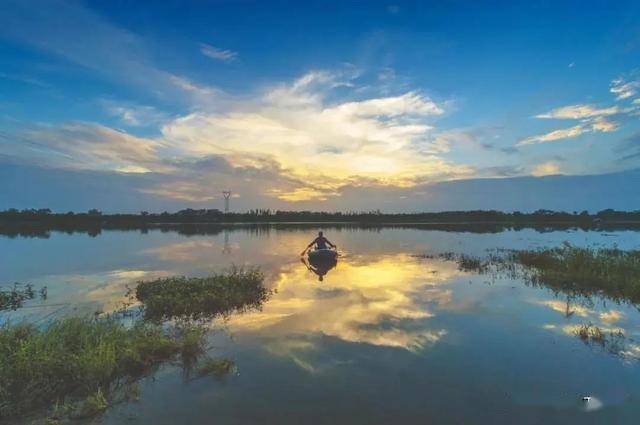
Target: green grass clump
[(611, 272), (202, 298), (81, 362), (217, 368), (611, 341), (14, 298)]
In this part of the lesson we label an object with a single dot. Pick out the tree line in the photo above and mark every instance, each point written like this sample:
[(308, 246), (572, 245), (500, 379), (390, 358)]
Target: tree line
[(189, 215)]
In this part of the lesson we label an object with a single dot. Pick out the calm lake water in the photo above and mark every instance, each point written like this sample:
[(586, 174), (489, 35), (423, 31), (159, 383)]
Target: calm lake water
[(384, 337)]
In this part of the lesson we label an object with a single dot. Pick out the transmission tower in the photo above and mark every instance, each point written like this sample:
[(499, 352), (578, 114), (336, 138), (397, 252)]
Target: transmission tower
[(227, 195)]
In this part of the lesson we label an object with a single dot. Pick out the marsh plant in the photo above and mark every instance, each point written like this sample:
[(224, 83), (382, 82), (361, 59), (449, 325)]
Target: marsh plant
[(610, 272), (611, 341), (82, 363), (202, 298), (14, 297), (78, 367)]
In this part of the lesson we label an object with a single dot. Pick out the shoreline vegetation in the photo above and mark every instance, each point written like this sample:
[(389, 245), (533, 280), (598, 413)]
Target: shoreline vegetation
[(576, 271), (39, 222), (77, 367), (579, 273)]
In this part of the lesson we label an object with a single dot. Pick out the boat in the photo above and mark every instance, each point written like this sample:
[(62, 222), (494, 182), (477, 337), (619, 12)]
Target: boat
[(322, 254)]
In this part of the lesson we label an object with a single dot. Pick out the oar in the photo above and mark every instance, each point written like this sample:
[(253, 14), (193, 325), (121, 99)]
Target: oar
[(304, 252)]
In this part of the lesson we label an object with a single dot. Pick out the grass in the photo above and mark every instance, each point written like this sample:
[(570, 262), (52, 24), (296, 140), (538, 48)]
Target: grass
[(78, 367), (14, 298), (202, 298), (217, 368), (611, 341), (612, 273), (80, 364)]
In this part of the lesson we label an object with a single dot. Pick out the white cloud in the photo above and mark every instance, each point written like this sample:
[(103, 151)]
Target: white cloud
[(86, 146), (564, 133), (596, 125), (218, 53), (290, 138), (134, 115), (624, 89), (407, 104), (546, 169), (604, 126), (325, 145), (575, 112)]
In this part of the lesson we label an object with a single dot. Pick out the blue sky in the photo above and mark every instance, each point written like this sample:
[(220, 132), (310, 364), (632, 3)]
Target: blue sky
[(313, 104)]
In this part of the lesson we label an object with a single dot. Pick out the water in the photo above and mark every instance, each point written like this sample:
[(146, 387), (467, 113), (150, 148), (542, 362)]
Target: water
[(384, 337)]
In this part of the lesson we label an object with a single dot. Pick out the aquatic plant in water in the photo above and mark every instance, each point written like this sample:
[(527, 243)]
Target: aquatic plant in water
[(202, 298), (613, 273), (77, 367), (14, 298), (76, 358), (592, 335)]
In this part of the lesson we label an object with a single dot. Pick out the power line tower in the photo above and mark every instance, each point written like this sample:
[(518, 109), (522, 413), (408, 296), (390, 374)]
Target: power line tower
[(227, 195)]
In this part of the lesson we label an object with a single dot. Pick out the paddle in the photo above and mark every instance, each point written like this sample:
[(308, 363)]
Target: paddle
[(304, 252)]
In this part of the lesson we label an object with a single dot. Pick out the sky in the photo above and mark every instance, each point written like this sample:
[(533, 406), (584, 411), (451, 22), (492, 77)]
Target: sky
[(130, 106)]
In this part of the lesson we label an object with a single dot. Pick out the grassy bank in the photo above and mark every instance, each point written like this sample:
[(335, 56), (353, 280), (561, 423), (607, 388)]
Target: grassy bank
[(202, 298)]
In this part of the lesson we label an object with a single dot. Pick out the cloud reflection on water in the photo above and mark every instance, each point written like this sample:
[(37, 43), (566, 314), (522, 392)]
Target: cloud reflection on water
[(379, 301)]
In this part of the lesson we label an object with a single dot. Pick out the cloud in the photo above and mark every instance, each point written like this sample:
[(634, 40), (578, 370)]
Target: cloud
[(325, 145), (218, 53), (624, 89), (593, 119), (575, 112), (134, 115), (597, 125), (564, 133), (84, 146), (289, 142), (546, 169)]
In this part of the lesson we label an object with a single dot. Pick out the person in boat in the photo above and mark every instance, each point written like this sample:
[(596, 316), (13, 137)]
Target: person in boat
[(321, 242)]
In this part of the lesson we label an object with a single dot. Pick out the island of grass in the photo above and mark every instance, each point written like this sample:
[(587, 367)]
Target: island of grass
[(202, 298)]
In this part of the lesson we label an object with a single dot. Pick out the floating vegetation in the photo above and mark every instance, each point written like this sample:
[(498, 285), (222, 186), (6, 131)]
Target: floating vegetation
[(218, 368), (202, 298), (592, 335), (14, 298), (613, 273)]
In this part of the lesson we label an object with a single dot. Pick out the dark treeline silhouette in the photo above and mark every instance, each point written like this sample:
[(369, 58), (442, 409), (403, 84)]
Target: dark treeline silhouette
[(39, 222)]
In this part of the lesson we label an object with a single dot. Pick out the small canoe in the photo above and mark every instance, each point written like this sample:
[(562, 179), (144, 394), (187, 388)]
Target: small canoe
[(323, 254)]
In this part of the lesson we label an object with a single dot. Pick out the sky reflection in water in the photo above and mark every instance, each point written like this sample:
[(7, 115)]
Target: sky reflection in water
[(384, 336)]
